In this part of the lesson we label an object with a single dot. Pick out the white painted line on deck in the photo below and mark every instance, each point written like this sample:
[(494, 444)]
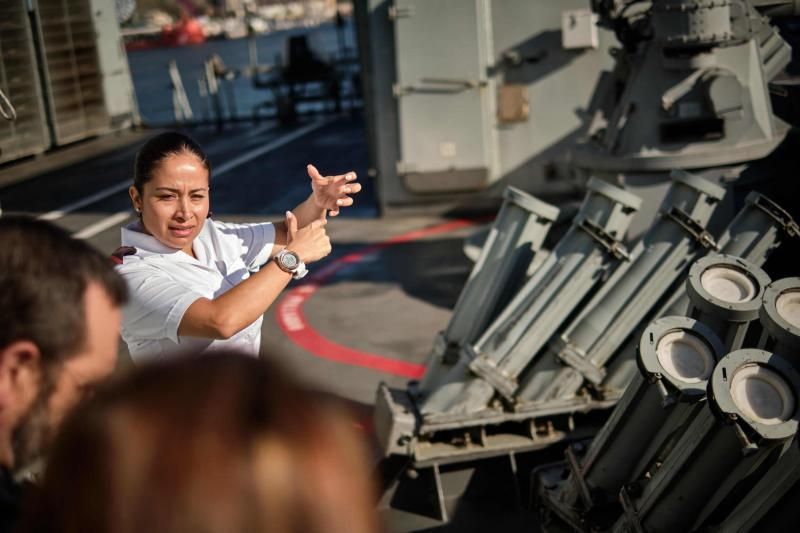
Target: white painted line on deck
[(277, 143), (261, 129), (102, 225), (96, 197), (114, 189), (108, 222)]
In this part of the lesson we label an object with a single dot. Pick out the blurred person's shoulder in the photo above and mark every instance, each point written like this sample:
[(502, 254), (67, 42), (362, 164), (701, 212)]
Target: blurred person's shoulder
[(11, 494)]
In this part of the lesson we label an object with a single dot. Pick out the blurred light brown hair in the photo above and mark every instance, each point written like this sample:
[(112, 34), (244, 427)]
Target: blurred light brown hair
[(213, 444)]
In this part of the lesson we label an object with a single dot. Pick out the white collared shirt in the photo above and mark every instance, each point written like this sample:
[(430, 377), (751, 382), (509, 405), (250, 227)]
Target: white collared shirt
[(164, 282)]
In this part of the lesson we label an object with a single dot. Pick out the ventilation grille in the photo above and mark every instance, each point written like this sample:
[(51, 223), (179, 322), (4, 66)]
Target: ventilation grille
[(26, 135), (72, 73)]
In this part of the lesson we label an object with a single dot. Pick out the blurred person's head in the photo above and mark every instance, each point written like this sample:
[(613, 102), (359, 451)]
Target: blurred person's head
[(222, 443), (60, 318), (170, 190)]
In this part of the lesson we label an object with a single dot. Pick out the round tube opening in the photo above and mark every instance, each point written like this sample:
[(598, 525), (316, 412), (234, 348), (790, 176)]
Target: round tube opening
[(685, 356), (728, 284), (788, 307), (762, 394)]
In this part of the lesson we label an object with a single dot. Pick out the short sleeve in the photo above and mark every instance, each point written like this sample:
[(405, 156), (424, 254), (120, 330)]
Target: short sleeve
[(156, 306), (256, 241)]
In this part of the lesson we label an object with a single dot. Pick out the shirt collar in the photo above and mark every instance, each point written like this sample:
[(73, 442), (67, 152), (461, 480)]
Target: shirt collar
[(146, 245)]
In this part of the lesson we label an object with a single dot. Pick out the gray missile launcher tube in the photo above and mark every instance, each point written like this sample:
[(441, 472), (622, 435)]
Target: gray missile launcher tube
[(724, 445), (629, 295), (759, 227), (752, 235), (588, 249), (514, 242), (659, 400), (729, 318), (763, 508), (779, 316)]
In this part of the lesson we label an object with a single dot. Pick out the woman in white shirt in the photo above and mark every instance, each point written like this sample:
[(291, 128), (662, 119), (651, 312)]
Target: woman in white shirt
[(197, 284)]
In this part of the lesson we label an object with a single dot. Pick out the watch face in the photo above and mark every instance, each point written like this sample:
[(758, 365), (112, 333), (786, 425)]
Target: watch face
[(289, 260)]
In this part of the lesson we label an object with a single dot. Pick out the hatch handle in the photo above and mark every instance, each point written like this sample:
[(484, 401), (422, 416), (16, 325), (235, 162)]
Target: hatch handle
[(439, 85), (7, 110)]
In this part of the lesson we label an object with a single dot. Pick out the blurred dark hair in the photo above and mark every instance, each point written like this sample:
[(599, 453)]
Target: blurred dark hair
[(210, 444), (44, 273), (161, 147)]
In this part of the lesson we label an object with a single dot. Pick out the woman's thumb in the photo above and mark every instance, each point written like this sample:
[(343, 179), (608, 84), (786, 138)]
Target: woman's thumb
[(291, 223)]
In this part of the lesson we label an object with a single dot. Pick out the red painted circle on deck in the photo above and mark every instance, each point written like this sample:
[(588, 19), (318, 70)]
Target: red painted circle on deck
[(292, 320)]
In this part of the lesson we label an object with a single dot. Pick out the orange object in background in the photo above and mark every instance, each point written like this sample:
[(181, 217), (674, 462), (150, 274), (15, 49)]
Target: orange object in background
[(185, 31)]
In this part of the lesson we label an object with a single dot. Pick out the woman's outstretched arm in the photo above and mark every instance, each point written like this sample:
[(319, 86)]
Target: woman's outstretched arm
[(229, 313)]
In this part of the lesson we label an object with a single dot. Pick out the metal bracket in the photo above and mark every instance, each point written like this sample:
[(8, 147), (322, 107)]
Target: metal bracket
[(400, 12), (575, 468), (667, 398), (485, 368), (748, 446), (692, 227), (778, 214), (470, 352), (513, 58), (440, 500), (577, 360), (441, 349), (682, 88), (630, 511), (404, 167), (606, 240)]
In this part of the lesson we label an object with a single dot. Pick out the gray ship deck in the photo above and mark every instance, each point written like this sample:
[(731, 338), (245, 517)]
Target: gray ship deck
[(387, 303), (385, 292), (368, 313)]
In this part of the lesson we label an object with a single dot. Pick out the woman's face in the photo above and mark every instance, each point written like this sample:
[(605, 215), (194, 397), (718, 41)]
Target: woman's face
[(174, 203)]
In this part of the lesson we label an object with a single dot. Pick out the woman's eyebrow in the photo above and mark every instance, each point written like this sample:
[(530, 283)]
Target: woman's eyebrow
[(169, 189)]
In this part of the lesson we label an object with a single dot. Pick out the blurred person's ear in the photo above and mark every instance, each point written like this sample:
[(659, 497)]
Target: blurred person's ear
[(19, 369), (20, 375)]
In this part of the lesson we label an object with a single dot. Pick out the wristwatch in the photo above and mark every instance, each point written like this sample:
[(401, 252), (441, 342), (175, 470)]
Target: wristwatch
[(290, 262)]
